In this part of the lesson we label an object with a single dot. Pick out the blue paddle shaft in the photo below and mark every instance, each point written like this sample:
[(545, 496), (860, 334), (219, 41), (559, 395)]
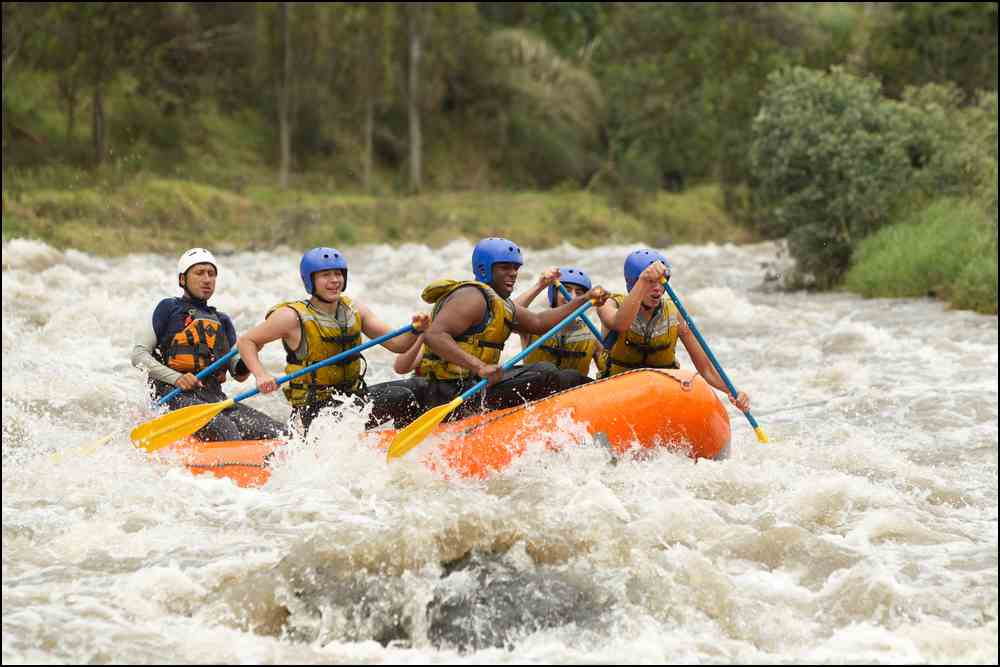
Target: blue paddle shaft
[(205, 372), (708, 350), (330, 360), (586, 320), (531, 348)]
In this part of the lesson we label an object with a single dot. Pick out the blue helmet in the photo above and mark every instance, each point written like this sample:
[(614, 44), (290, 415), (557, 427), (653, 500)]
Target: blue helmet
[(569, 276), (492, 251), (321, 259), (636, 263)]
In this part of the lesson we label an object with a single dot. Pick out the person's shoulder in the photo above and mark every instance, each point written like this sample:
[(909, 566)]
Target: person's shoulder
[(471, 294), (355, 304), (167, 304)]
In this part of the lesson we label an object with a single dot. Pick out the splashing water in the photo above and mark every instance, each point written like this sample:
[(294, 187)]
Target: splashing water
[(865, 532)]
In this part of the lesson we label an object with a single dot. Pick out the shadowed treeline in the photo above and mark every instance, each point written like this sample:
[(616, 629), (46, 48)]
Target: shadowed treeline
[(819, 122)]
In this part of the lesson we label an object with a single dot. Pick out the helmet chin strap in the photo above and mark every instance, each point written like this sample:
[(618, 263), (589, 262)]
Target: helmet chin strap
[(188, 292)]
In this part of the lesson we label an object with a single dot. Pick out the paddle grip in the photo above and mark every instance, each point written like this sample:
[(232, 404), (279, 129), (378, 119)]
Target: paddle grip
[(204, 373), (528, 350), (330, 360)]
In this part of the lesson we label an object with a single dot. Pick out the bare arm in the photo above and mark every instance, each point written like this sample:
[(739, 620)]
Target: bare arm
[(548, 277), (706, 369), (282, 324), (409, 361), (538, 323), (623, 317), (373, 327), (465, 308)]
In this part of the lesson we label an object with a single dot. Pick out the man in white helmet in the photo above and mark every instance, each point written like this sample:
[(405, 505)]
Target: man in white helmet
[(187, 335)]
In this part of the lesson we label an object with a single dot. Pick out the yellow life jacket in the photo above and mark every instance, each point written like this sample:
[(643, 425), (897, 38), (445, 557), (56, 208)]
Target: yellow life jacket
[(198, 344), (322, 337), (573, 347), (647, 344), (484, 340)]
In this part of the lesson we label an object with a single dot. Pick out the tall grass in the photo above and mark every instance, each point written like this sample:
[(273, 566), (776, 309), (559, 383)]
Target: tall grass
[(948, 250), (156, 214)]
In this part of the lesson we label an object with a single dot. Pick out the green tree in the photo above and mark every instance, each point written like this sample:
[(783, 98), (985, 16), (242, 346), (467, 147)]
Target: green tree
[(935, 42), (22, 31), (572, 28), (832, 159), (683, 81)]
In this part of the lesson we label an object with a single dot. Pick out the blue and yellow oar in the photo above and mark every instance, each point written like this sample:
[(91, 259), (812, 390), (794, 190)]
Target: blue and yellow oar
[(202, 374), (413, 435), (178, 424), (761, 436)]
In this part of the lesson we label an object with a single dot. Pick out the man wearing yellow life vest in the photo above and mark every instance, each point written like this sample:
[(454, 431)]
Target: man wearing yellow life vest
[(328, 323), (645, 327), (574, 346), (187, 336), (470, 323)]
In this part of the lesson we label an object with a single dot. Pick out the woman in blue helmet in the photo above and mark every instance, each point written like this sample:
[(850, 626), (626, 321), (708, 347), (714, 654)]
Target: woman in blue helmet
[(325, 324), (186, 336), (470, 323), (574, 347), (645, 327)]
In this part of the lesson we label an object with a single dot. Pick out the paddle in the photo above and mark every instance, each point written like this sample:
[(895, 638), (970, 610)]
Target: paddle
[(178, 424), (413, 434), (586, 320), (761, 437), (204, 373)]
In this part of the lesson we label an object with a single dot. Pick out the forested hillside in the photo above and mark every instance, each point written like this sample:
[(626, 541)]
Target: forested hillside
[(819, 122)]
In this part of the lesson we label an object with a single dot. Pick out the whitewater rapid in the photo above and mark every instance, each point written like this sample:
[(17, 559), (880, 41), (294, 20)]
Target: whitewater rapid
[(865, 531)]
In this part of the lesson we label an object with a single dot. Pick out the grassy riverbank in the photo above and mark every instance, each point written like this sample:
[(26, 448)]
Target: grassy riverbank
[(948, 250), (156, 214)]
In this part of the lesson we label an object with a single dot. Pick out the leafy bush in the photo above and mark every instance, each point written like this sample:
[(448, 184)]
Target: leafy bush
[(834, 161)]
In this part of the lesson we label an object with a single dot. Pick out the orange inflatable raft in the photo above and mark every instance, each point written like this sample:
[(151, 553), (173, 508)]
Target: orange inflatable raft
[(642, 409)]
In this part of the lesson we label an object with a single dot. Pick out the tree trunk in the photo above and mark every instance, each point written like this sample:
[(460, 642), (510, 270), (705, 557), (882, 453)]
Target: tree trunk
[(97, 130), (369, 141), (413, 106), (284, 98), (69, 93)]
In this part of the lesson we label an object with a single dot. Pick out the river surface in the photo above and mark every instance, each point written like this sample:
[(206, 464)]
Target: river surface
[(864, 532)]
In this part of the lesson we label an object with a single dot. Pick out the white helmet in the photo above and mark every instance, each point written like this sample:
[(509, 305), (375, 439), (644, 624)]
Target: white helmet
[(195, 256)]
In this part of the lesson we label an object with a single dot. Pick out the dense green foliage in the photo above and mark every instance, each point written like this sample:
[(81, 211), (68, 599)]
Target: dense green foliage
[(836, 161), (646, 95), (947, 250), (830, 161), (822, 122)]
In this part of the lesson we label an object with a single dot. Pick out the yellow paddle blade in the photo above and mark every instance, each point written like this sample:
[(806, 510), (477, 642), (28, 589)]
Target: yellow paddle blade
[(175, 425), (761, 436), (413, 435), (86, 450)]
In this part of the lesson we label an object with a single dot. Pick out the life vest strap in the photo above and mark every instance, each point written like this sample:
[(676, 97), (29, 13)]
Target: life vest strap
[(563, 352)]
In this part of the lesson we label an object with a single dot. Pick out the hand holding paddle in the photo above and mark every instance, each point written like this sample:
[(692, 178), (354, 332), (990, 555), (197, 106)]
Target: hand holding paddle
[(761, 436), (178, 424), (204, 373), (586, 320), (413, 435)]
